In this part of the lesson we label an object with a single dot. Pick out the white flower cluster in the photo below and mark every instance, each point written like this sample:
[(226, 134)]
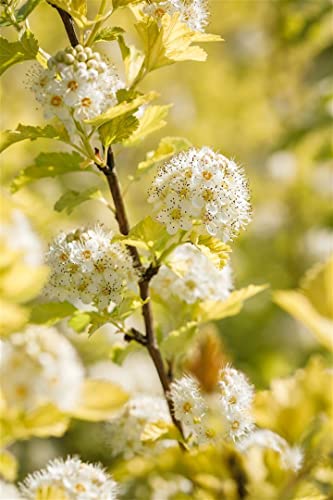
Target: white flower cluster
[(191, 410), (77, 85), (86, 266), (194, 13), (39, 366), (124, 432), (191, 276), (76, 479), (236, 401), (291, 457), (202, 190)]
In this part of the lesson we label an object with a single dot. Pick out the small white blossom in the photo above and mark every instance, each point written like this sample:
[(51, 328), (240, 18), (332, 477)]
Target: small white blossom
[(194, 13), (236, 401), (124, 431), (202, 190), (43, 368), (318, 243), (191, 276), (18, 236), (78, 480), (291, 457), (77, 85), (188, 403), (86, 266), (9, 491), (167, 488)]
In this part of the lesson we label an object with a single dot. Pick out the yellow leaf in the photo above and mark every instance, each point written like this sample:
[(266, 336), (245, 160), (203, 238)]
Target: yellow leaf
[(214, 249), (300, 307), (212, 310), (157, 430), (100, 400), (317, 287), (122, 109), (8, 466)]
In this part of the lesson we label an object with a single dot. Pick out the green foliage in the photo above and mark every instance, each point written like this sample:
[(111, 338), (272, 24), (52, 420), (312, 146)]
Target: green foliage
[(213, 248), (147, 235), (51, 313), (153, 119), (210, 310), (48, 165), (177, 342), (72, 199), (122, 109), (24, 132), (15, 52), (20, 14), (118, 130), (108, 34), (100, 401), (170, 43), (167, 147)]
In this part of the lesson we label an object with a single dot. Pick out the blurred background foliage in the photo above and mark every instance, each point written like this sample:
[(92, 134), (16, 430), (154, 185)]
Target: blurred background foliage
[(265, 98)]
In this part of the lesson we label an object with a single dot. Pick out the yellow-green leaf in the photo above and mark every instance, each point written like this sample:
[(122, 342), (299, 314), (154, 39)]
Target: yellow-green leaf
[(153, 119), (76, 8), (148, 234), (133, 60), (24, 132), (8, 466), (50, 313), (176, 343), (100, 400), (154, 431), (210, 310), (214, 249), (15, 52), (317, 287), (118, 129), (301, 308), (72, 199), (166, 148), (122, 109), (171, 42)]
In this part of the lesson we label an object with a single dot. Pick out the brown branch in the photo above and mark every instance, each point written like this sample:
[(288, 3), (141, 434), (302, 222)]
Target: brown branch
[(68, 24), (146, 275)]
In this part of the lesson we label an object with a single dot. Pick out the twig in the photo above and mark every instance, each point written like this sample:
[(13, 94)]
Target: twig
[(68, 24), (108, 170)]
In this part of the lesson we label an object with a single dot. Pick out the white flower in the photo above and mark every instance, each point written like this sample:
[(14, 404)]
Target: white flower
[(18, 236), (77, 84), (124, 431), (39, 366), (282, 166), (9, 491), (291, 457), (202, 190), (191, 276), (86, 266), (188, 404), (318, 243), (78, 480), (194, 13), (236, 401), (167, 488)]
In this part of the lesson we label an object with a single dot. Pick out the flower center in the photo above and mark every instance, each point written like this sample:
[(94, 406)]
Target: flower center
[(86, 102), (176, 213), (187, 407), (207, 175), (80, 488), (56, 100), (235, 425), (233, 400), (72, 85), (208, 195), (86, 254)]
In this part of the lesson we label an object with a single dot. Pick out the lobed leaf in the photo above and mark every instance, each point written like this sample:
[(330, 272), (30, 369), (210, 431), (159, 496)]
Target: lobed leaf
[(48, 165), (15, 52), (148, 234), (167, 147), (153, 119), (51, 312), (214, 249), (210, 310), (20, 14), (133, 60), (118, 130), (122, 109), (72, 199), (108, 34), (100, 400), (178, 341), (24, 132)]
